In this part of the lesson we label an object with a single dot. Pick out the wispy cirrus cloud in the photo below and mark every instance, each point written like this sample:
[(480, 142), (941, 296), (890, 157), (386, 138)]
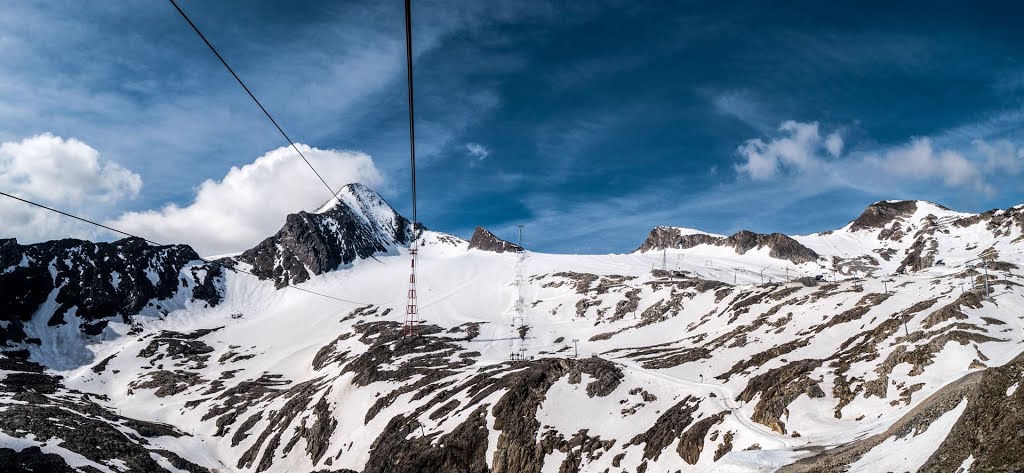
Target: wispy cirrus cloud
[(742, 106), (153, 98), (792, 168), (477, 150)]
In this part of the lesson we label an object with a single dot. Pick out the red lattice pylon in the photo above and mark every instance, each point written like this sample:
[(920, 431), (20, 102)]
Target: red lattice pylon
[(412, 314)]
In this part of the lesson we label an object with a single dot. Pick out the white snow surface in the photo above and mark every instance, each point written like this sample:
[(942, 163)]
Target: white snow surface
[(284, 329), (910, 452)]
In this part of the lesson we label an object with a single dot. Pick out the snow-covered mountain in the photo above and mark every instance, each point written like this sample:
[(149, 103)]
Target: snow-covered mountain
[(356, 224), (881, 346)]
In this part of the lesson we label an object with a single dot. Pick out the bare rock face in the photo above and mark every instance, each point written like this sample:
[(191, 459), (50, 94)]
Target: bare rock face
[(881, 213), (97, 280), (989, 430), (1000, 222), (671, 237), (781, 246), (484, 240), (355, 225), (39, 407), (778, 387), (33, 459)]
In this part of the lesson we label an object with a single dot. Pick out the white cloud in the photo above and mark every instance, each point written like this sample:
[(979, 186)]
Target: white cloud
[(801, 151), (477, 150), (63, 170), (1001, 156), (834, 144), (66, 173), (741, 105), (798, 150), (251, 202), (919, 160)]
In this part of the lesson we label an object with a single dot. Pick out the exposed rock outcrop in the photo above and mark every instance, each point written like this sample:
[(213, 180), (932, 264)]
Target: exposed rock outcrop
[(671, 237), (40, 409), (989, 430), (357, 224), (884, 212), (780, 246), (97, 281), (484, 240)]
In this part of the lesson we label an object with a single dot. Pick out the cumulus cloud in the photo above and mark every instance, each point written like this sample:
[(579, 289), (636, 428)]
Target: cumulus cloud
[(477, 150), (801, 150), (251, 202), (920, 160), (66, 173)]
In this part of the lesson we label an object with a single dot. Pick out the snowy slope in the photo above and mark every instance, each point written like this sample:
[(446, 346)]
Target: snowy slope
[(662, 360)]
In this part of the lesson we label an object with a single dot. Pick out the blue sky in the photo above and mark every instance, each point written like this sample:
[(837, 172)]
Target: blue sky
[(589, 122)]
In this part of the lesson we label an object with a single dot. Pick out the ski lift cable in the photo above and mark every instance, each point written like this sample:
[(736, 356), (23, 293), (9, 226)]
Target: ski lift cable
[(412, 305), (151, 242), (253, 97), (412, 123)]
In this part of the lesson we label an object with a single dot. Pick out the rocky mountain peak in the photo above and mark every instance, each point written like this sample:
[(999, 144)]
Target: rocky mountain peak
[(357, 223), (484, 240), (676, 237), (355, 195), (880, 214), (781, 246)]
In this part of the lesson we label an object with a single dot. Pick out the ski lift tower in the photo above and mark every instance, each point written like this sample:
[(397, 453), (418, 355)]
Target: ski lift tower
[(412, 313), (517, 350)]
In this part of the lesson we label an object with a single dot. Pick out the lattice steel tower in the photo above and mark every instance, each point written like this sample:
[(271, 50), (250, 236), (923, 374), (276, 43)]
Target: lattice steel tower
[(517, 350), (412, 313)]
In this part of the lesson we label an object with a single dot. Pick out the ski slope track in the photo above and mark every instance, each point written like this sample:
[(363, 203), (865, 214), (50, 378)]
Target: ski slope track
[(879, 346)]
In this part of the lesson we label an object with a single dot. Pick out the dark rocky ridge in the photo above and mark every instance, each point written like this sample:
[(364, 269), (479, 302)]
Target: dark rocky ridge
[(484, 240), (359, 225), (781, 246), (883, 212), (97, 280), (39, 408)]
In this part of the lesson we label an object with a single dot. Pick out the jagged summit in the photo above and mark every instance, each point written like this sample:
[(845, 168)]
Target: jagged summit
[(780, 246), (357, 223), (884, 212), (686, 231), (355, 195), (484, 240), (881, 213)]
